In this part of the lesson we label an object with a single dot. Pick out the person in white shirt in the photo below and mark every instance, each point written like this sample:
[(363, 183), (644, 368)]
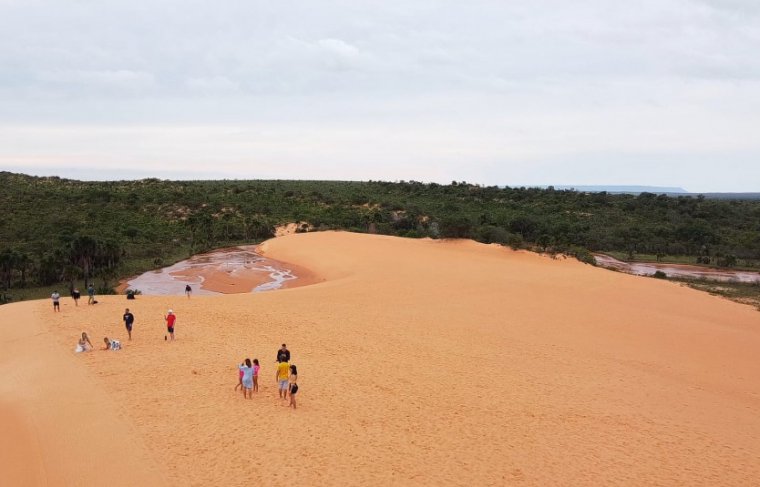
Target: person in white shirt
[(56, 301), (84, 344)]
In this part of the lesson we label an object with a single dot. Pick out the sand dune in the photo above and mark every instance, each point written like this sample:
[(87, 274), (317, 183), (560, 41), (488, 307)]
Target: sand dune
[(421, 363)]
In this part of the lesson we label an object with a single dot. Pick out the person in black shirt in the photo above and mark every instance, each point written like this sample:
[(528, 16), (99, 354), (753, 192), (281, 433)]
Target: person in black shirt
[(128, 318), (283, 352)]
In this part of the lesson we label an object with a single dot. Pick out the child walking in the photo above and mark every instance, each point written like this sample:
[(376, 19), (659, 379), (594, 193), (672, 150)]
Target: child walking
[(240, 380), (247, 380), (255, 375), (293, 387)]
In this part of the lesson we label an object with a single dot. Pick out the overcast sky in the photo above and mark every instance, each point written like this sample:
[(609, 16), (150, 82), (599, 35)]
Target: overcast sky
[(656, 92)]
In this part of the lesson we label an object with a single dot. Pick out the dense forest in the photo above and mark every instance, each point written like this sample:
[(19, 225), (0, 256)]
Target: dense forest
[(56, 230)]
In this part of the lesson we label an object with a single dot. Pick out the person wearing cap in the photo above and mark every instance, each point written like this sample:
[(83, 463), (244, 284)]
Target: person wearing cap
[(170, 319)]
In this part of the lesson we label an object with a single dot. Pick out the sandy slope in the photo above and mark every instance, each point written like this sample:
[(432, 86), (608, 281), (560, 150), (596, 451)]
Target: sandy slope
[(421, 363)]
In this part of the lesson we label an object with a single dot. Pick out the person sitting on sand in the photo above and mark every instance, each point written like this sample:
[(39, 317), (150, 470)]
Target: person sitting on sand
[(84, 344), (283, 352), (112, 344), (282, 374), (293, 385), (256, 375), (247, 380)]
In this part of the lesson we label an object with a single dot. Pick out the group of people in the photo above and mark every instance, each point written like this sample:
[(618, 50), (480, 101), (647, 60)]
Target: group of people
[(286, 376), (286, 373), (75, 295), (84, 344)]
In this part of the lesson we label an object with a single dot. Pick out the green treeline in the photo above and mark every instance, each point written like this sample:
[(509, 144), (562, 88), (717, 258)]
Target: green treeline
[(58, 230)]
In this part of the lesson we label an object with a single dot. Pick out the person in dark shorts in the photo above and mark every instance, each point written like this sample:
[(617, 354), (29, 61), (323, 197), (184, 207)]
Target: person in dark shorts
[(56, 301), (293, 385), (75, 294), (90, 294), (129, 319), (188, 290), (283, 352), (170, 318)]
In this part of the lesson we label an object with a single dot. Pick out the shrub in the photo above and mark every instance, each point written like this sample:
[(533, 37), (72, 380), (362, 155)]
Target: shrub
[(582, 255)]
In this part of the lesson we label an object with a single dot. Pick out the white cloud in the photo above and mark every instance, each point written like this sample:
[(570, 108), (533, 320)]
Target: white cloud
[(212, 85), (97, 79), (483, 90)]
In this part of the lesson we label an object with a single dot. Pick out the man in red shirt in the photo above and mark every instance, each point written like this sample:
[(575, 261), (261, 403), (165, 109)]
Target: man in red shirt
[(170, 319)]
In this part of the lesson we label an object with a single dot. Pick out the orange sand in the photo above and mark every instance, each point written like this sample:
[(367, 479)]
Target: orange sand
[(421, 363)]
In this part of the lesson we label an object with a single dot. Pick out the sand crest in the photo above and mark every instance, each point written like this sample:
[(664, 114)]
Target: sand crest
[(421, 363)]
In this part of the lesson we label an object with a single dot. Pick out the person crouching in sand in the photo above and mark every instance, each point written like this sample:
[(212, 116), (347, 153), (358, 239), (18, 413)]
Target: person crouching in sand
[(293, 387), (281, 374), (247, 379), (111, 344), (84, 344)]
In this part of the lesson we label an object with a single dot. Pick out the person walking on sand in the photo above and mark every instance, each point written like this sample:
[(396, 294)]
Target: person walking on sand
[(84, 344), (56, 301), (129, 319), (76, 295), (293, 385), (282, 374), (188, 291), (247, 380), (240, 380), (170, 319), (283, 352), (256, 375), (90, 294)]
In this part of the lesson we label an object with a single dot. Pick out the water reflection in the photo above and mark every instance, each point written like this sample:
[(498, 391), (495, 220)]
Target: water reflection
[(684, 271), (223, 271)]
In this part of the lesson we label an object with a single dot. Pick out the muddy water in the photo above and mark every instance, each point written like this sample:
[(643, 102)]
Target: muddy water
[(223, 271), (676, 270)]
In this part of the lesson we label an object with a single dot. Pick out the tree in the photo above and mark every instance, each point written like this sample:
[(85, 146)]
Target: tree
[(83, 251), (8, 262)]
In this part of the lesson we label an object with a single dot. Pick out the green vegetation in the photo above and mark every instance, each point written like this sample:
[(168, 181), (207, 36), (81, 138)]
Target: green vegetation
[(56, 231), (742, 292)]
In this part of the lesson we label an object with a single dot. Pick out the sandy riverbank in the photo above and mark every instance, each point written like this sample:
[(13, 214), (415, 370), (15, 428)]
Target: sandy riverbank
[(421, 363), (232, 270)]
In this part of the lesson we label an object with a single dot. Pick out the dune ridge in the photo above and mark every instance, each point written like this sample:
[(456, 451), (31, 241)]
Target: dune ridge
[(420, 363)]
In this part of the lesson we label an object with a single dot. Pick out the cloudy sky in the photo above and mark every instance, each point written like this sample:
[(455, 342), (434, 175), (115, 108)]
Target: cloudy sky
[(657, 92)]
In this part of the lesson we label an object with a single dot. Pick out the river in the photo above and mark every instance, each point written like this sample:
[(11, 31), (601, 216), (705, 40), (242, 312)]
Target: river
[(683, 271), (223, 271)]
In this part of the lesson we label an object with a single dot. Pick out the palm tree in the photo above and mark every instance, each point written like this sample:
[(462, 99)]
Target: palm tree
[(83, 252)]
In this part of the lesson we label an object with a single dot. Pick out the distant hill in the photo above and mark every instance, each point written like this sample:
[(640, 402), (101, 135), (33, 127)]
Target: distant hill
[(731, 196), (667, 190), (625, 189)]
